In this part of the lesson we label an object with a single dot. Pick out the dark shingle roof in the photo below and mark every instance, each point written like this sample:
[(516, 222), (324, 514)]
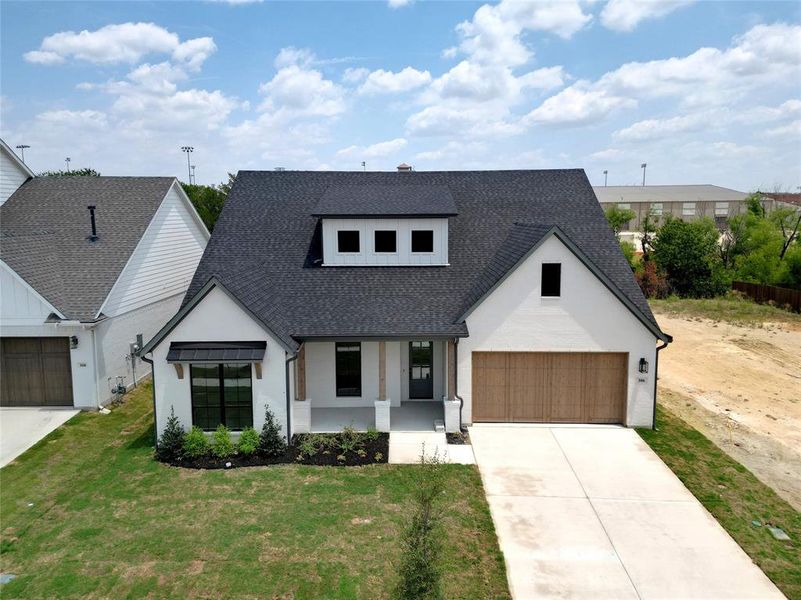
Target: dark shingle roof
[(43, 230), (374, 199), (265, 243)]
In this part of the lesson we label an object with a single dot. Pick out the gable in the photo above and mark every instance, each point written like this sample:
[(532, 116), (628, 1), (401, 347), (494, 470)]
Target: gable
[(20, 304), (12, 173), (165, 259)]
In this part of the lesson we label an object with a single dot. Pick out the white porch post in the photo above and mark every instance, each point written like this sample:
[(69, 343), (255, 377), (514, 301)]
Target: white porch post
[(382, 405), (451, 404), (301, 407)]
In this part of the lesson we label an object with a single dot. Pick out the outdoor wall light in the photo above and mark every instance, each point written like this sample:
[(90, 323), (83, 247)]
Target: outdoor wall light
[(643, 365), (73, 342)]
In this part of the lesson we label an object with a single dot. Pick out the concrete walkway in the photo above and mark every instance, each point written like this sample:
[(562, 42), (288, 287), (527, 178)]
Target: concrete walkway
[(592, 512), (21, 428), (406, 447)]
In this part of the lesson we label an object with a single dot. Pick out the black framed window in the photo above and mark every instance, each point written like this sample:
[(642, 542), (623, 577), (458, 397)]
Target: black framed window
[(386, 241), (551, 279), (348, 240), (222, 393), (422, 240), (349, 368)]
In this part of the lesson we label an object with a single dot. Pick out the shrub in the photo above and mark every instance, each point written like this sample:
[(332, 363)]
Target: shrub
[(630, 252), (653, 282), (221, 444), (271, 442), (248, 441), (195, 443), (421, 547), (311, 444), (171, 442), (349, 440), (372, 434), (378, 457)]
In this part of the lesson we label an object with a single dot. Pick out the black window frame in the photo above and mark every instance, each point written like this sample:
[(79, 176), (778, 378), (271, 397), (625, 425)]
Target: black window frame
[(551, 280), (347, 232), (348, 389), (394, 233), (417, 233), (227, 407)]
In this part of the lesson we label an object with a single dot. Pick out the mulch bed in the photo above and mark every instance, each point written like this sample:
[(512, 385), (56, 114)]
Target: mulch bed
[(371, 449), (458, 439)]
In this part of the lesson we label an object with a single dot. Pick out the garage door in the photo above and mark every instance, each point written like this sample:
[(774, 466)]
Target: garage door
[(549, 387), (36, 372)]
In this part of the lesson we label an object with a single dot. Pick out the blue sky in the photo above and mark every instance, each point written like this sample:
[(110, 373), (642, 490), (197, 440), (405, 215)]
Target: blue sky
[(704, 92)]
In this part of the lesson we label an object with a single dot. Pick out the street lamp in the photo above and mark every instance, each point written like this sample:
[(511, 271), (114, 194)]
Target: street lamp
[(605, 176), (642, 166), (193, 179), (188, 150), (21, 148), (67, 160)]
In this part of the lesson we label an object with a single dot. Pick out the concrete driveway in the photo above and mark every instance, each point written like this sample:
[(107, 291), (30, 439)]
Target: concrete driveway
[(21, 428), (592, 512)]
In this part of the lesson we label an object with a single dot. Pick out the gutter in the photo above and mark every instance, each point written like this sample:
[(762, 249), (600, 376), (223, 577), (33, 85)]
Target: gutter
[(155, 421), (656, 375), (292, 358)]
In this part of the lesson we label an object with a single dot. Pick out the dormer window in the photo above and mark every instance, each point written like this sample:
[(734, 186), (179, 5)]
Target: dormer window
[(386, 241), (422, 241), (348, 241)]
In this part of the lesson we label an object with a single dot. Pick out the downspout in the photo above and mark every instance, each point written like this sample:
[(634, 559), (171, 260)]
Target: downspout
[(288, 400), (656, 376), (456, 379), (153, 381)]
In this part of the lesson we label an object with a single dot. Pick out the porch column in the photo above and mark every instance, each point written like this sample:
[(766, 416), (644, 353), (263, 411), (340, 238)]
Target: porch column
[(450, 402), (382, 405), (300, 387), (301, 413)]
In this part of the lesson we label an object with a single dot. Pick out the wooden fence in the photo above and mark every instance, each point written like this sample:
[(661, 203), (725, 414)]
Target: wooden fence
[(770, 293)]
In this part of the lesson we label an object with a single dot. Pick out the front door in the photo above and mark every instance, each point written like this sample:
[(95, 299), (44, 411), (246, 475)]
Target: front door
[(421, 362)]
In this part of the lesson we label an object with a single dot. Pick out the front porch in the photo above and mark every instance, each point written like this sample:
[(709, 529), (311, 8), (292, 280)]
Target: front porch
[(409, 416)]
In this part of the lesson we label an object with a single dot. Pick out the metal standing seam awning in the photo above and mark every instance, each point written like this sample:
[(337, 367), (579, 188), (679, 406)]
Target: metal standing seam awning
[(185, 352)]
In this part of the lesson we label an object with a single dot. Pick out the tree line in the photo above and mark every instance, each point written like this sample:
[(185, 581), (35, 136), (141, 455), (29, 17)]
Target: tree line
[(696, 259)]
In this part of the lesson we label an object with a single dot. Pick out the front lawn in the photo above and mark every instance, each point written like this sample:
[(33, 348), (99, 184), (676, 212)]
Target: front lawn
[(88, 513), (731, 308), (734, 496)]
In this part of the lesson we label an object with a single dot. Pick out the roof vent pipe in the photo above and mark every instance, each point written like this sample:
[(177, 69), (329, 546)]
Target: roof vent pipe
[(404, 168), (93, 237)]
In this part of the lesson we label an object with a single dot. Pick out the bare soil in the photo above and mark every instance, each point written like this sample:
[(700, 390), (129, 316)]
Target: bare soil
[(741, 387)]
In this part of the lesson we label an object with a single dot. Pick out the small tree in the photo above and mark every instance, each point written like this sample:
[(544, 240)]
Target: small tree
[(618, 218), (85, 172), (649, 228), (170, 444), (271, 442)]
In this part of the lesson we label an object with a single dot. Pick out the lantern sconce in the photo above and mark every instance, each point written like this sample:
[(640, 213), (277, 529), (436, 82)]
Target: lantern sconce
[(73, 342), (643, 365)]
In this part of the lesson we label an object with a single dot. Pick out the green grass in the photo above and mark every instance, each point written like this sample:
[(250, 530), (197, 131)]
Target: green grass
[(731, 308), (734, 496), (107, 521)]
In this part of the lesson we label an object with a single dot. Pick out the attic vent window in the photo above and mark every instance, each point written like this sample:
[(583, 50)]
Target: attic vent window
[(348, 241), (386, 241), (92, 237), (422, 240), (552, 279)]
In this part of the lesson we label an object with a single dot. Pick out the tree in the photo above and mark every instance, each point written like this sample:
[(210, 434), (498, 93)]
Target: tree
[(618, 218), (732, 239), (788, 221), (688, 255), (649, 228), (85, 172), (209, 200)]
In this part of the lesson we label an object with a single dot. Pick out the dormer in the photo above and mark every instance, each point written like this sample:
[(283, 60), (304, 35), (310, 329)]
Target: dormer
[(385, 225)]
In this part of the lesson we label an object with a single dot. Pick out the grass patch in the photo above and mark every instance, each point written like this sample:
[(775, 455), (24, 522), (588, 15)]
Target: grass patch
[(108, 521), (734, 496), (731, 308)]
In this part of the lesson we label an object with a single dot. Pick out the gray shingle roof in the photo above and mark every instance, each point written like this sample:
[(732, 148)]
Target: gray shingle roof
[(370, 199), (43, 230), (265, 243)]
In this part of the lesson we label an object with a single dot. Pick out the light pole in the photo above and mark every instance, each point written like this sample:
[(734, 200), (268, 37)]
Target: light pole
[(67, 160), (21, 148), (642, 166), (188, 150), (606, 173), (364, 165), (193, 179)]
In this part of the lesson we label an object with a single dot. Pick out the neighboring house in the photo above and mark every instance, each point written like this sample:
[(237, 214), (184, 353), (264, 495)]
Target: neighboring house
[(72, 303), (397, 300)]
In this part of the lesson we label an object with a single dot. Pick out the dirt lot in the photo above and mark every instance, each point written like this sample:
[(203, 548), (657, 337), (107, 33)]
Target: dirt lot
[(741, 387)]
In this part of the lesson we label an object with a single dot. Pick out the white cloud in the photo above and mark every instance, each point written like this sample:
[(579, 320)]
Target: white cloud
[(398, 3), (298, 91), (476, 121), (193, 53), (387, 82), (44, 57), (791, 131), (355, 74), (650, 129), (379, 150), (607, 154), (302, 57), (73, 119), (625, 15), (578, 105)]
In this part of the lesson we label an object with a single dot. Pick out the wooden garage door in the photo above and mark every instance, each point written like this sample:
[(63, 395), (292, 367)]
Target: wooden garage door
[(35, 372), (549, 387)]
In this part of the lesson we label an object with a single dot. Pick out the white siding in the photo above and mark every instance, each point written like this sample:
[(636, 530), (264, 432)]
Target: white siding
[(11, 175), (218, 318), (586, 318), (367, 227), (19, 303), (164, 261)]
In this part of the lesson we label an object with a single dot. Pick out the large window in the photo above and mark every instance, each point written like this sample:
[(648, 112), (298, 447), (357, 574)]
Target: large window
[(721, 209), (349, 368), (551, 279), (221, 394), (348, 240), (422, 240), (386, 241), (688, 209)]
